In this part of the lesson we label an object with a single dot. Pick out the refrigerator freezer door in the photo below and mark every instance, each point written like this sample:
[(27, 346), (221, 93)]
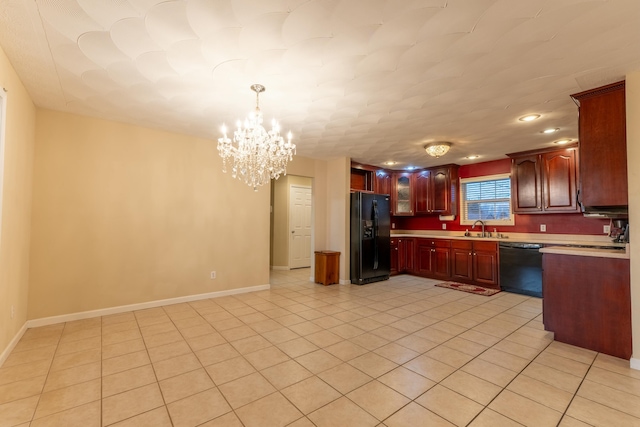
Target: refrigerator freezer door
[(370, 237)]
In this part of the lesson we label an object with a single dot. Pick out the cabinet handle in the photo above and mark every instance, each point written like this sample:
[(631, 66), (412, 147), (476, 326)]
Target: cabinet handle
[(469, 253)]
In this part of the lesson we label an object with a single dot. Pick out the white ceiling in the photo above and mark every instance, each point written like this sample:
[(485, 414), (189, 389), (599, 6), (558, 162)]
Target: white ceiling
[(374, 80)]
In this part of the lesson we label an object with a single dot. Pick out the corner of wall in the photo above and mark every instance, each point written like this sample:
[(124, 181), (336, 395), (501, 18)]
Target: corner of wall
[(632, 89)]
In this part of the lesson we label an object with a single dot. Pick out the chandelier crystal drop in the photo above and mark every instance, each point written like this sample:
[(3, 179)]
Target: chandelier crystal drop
[(437, 149), (257, 155)]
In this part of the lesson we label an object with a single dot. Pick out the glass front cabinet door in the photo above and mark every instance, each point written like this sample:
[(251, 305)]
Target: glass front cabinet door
[(403, 191)]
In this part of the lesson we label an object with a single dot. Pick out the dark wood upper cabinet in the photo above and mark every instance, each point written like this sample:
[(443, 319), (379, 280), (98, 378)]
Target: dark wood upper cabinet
[(383, 182), (526, 184), (603, 146), (435, 190), (362, 177), (559, 193), (423, 191), (442, 188), (544, 181), (429, 191)]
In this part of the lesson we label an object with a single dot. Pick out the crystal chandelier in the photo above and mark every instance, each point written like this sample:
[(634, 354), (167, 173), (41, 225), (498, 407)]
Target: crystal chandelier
[(437, 149), (258, 155)]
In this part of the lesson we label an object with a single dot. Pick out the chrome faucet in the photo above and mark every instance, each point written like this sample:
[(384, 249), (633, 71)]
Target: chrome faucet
[(483, 224)]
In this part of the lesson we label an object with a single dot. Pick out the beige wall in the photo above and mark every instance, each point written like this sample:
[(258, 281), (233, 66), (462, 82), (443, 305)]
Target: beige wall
[(16, 203), (338, 183), (633, 159), (125, 214), (330, 204), (281, 234)]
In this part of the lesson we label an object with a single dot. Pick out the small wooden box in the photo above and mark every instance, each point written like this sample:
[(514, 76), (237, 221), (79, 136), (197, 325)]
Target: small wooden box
[(327, 267)]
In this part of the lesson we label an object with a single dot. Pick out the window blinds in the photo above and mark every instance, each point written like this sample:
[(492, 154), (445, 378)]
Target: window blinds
[(487, 200)]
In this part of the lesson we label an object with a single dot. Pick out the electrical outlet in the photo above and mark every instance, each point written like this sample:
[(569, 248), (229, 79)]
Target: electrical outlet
[(543, 227), (213, 274), (444, 226), (13, 311), (393, 225), (606, 229)]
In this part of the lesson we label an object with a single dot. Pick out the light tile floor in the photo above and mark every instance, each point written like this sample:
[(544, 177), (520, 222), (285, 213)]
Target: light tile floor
[(395, 353)]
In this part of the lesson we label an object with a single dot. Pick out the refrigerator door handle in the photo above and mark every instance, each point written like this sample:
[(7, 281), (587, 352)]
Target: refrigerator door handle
[(375, 234)]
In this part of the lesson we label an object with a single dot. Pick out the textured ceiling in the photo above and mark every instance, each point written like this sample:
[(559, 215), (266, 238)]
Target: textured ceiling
[(374, 80)]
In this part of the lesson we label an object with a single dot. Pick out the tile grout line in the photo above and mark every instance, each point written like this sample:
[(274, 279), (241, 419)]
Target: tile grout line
[(295, 290)]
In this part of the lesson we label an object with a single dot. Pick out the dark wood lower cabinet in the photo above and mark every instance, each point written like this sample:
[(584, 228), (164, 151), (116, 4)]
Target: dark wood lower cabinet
[(460, 260), (485, 264), (423, 255), (406, 255), (587, 302), (441, 263), (394, 257), (433, 257), (475, 262)]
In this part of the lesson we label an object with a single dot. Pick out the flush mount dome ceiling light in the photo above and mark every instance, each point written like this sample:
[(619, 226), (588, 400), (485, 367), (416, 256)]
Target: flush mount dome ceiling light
[(529, 117), (437, 149), (258, 155)]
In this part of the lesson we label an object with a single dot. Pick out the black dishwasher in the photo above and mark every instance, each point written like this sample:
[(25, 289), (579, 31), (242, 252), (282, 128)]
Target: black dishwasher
[(521, 268)]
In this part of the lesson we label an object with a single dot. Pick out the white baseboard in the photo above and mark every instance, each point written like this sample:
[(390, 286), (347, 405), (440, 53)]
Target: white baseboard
[(280, 267), (345, 282), (34, 323), (12, 344), (634, 364)]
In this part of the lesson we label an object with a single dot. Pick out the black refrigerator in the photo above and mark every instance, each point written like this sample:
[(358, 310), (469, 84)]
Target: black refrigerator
[(370, 237)]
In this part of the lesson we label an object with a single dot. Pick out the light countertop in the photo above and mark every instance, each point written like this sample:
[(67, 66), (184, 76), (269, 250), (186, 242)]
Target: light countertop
[(590, 252), (554, 243), (543, 238)]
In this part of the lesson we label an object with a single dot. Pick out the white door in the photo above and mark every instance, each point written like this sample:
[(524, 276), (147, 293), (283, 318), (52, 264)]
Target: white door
[(300, 226)]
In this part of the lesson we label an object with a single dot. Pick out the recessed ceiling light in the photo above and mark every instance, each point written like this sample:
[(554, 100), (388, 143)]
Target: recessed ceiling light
[(562, 141), (410, 168), (551, 130), (390, 163), (472, 157), (529, 118)]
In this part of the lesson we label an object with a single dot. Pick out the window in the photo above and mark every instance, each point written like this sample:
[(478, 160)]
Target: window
[(486, 198)]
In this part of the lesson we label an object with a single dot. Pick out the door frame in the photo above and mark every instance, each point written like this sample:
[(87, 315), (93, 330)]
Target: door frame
[(276, 244)]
